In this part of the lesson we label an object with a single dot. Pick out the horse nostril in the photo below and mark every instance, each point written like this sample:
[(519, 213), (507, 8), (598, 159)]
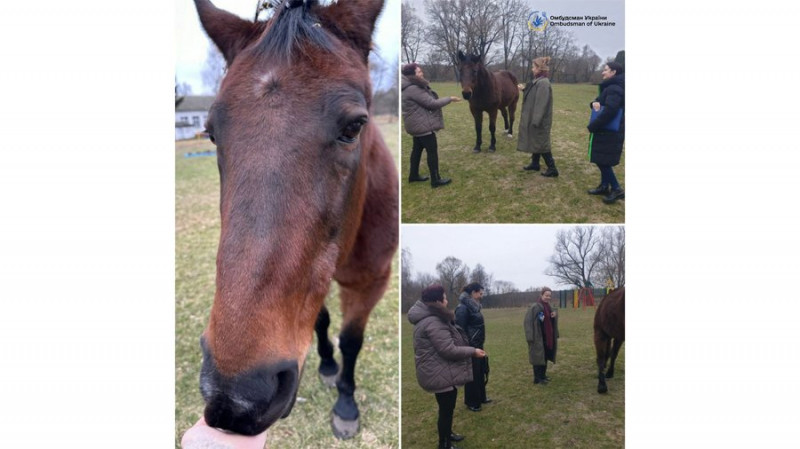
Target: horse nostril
[(466, 95), (250, 402)]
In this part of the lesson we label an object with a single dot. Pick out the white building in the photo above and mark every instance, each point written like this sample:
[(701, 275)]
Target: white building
[(190, 115)]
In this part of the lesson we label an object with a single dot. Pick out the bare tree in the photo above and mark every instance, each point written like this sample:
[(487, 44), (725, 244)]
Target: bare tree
[(481, 276), (214, 69), (512, 24), (411, 33), (445, 29), (501, 287), (576, 256), (612, 257), (453, 275), (481, 24), (181, 91)]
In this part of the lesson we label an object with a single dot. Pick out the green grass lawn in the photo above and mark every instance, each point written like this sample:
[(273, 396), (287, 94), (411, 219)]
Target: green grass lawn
[(196, 237), (493, 188), (566, 413)]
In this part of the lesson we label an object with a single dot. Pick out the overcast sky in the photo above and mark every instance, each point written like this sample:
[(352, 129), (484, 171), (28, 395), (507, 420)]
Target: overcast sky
[(191, 42), (514, 253), (605, 41)]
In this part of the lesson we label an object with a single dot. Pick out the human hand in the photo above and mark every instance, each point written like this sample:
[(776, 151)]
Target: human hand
[(521, 86), (552, 314), (456, 99), (480, 353), (596, 106), (202, 436)]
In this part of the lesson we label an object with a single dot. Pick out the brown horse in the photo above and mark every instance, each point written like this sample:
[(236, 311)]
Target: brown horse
[(308, 194), (488, 92), (609, 324)]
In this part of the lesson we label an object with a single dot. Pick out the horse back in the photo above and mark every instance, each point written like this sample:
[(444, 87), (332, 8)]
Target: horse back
[(506, 84)]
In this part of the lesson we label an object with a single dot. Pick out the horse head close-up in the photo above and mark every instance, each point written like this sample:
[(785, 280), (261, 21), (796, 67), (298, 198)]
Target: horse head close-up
[(308, 194)]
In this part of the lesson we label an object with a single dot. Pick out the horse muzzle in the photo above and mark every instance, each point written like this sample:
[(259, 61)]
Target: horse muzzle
[(466, 95), (248, 403)]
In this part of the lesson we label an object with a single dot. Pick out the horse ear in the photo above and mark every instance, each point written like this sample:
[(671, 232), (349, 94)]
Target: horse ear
[(461, 56), (353, 21), (230, 33), (476, 58)]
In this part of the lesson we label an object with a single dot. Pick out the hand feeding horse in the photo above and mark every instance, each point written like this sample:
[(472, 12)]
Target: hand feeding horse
[(308, 194), (488, 92), (609, 324)]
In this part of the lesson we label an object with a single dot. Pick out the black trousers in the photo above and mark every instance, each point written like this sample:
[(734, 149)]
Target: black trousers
[(475, 391), (425, 143), (447, 403)]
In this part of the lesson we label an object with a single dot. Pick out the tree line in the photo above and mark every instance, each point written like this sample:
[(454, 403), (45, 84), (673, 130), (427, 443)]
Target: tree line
[(496, 30), (583, 256)]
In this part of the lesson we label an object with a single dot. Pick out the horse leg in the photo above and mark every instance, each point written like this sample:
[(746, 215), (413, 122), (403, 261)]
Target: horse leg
[(601, 347), (363, 278), (328, 368), (492, 120), (617, 345), (512, 108), (478, 116), (504, 112)]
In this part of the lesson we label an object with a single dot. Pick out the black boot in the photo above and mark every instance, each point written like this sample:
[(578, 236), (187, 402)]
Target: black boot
[(438, 181), (600, 190), (534, 165), (456, 437), (544, 373), (614, 195), (446, 444), (416, 156), (552, 171), (538, 375)]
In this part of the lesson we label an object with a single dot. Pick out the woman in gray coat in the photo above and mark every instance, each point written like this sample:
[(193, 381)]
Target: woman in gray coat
[(422, 117), (541, 332), (442, 356), (536, 119)]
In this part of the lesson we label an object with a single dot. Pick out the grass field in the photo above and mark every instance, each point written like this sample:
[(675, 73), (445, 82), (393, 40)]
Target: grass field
[(566, 413), (196, 237), (493, 188)]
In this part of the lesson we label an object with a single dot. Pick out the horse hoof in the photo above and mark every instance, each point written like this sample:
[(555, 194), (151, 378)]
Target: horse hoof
[(476, 150), (602, 389), (510, 136), (328, 380), (344, 429), (491, 150)]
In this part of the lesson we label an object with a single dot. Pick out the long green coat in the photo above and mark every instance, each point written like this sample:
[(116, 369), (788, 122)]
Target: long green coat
[(535, 337), (536, 118)]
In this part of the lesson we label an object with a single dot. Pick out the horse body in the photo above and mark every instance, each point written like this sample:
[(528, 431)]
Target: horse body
[(308, 194), (489, 92), (609, 334)]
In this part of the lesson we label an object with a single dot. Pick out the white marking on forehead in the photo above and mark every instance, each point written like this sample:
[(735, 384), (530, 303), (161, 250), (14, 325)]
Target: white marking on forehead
[(262, 81)]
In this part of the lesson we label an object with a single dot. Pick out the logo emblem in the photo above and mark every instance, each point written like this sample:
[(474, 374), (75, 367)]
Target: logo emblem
[(538, 21)]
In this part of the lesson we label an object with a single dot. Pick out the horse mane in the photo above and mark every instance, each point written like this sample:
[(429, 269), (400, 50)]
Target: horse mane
[(294, 23)]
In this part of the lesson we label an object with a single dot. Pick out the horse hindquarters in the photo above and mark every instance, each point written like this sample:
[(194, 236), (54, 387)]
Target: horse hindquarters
[(363, 278)]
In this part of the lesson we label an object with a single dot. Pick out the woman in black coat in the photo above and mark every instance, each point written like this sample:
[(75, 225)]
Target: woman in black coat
[(605, 146)]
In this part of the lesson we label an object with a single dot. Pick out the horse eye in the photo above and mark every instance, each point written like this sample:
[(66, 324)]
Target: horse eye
[(210, 136), (352, 130)]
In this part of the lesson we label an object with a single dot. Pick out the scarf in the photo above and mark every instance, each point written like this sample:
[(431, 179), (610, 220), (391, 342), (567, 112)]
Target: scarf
[(548, 325)]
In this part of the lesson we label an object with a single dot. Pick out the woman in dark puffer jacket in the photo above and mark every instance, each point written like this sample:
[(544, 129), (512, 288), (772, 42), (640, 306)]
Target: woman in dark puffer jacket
[(442, 356), (422, 117), (605, 146)]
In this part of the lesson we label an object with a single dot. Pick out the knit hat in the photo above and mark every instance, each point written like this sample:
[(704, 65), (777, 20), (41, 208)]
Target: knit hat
[(409, 69), (616, 67), (541, 63)]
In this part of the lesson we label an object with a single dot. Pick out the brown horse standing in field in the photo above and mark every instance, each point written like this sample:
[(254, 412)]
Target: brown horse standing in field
[(308, 194), (609, 324), (488, 92)]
